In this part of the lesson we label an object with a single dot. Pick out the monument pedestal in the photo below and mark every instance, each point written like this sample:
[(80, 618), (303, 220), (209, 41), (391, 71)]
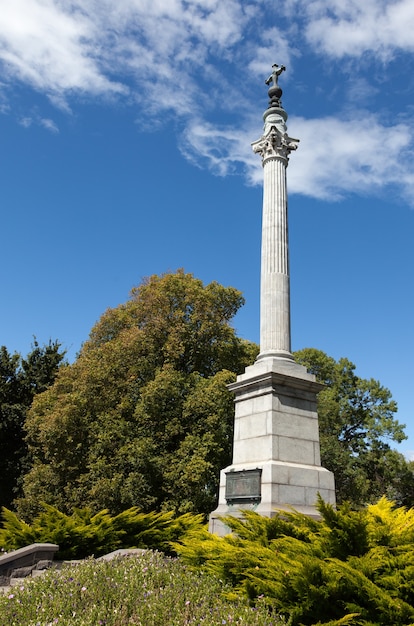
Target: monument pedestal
[(276, 455)]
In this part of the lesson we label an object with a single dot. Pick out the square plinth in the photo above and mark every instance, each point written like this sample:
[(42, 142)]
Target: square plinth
[(276, 433)]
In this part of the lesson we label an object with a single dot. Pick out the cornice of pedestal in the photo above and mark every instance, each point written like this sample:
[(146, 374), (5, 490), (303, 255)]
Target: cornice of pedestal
[(253, 385), (274, 371)]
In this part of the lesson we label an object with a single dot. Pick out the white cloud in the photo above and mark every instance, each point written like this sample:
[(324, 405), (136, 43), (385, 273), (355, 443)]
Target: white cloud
[(26, 122), (49, 125), (150, 47), (49, 48), (176, 59), (273, 46), (361, 91), (155, 50), (36, 119), (344, 28), (165, 54), (223, 150), (335, 157)]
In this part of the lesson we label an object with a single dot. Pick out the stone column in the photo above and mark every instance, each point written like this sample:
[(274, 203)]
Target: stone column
[(274, 302), (276, 454), (274, 147)]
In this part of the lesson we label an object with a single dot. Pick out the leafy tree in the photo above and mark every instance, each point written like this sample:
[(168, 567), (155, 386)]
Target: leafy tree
[(20, 380), (357, 424), (143, 416), (39, 368)]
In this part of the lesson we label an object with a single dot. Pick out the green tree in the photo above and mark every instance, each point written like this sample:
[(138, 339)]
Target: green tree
[(39, 368), (20, 380), (357, 425), (12, 412), (142, 417)]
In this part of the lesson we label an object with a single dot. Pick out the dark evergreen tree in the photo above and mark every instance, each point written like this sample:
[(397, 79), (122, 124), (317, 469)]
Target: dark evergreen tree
[(20, 380)]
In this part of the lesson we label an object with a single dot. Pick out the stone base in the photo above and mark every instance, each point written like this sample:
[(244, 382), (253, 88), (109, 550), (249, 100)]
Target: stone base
[(276, 431), (285, 487)]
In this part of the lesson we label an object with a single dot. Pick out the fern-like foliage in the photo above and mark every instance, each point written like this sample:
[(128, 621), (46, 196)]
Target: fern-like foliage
[(349, 567), (85, 534), (390, 525), (15, 533)]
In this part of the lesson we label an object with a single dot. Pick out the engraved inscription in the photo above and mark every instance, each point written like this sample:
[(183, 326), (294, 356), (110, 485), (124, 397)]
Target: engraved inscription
[(244, 486)]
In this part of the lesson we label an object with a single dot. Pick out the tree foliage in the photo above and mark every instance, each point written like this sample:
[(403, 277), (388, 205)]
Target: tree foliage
[(351, 567), (20, 380), (143, 416), (357, 425)]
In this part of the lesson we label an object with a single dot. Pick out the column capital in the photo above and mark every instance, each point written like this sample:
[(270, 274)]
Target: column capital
[(275, 145)]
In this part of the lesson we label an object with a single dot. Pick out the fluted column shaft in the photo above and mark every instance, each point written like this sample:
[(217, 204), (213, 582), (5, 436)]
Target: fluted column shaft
[(275, 282), (274, 146)]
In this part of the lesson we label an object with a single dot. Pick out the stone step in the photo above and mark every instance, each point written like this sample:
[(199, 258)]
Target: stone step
[(17, 576), (18, 565)]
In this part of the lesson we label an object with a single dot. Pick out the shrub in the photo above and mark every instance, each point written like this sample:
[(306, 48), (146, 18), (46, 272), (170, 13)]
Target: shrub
[(353, 567), (84, 534)]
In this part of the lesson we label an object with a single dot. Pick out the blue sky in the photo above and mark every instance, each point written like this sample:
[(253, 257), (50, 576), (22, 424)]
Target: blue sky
[(125, 151)]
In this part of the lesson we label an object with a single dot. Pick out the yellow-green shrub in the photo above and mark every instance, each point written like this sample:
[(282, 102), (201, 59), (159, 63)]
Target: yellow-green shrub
[(353, 567), (85, 534)]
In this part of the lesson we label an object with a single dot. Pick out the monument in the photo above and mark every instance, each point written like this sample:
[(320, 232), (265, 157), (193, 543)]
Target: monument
[(276, 453)]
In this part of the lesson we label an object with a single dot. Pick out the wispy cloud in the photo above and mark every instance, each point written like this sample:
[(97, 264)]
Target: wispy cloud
[(271, 43), (344, 28), (191, 61), (116, 48), (150, 50), (335, 157), (224, 150), (51, 49), (340, 156), (37, 120), (26, 122), (49, 125)]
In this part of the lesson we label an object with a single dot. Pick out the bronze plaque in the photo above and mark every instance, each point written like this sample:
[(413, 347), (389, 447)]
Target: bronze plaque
[(244, 486)]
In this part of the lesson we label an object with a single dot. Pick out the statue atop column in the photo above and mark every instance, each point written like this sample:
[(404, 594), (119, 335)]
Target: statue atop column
[(275, 140), (277, 70), (275, 92)]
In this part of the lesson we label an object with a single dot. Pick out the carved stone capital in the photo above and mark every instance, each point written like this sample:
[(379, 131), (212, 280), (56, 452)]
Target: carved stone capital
[(275, 145)]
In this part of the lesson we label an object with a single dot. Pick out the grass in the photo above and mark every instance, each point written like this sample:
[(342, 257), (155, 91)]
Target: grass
[(149, 590)]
